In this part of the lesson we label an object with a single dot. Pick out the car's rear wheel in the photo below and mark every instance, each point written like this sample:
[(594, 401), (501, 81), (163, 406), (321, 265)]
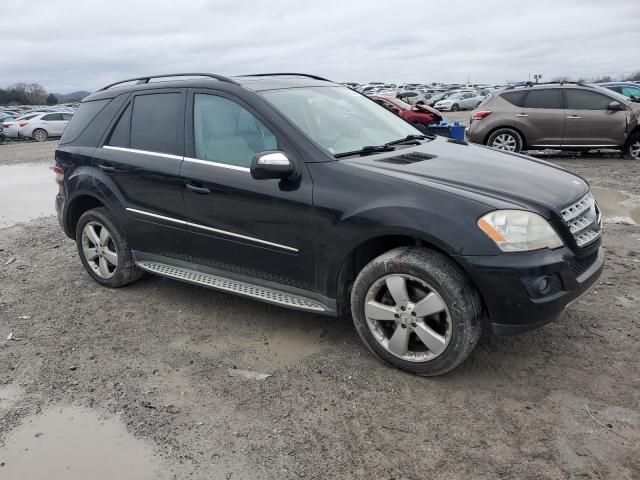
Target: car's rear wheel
[(103, 249), (455, 107), (40, 135), (505, 139), (632, 148), (416, 310)]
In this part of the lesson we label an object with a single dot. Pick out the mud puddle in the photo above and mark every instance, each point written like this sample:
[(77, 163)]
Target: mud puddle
[(269, 350), (69, 443), (618, 207), (27, 191)]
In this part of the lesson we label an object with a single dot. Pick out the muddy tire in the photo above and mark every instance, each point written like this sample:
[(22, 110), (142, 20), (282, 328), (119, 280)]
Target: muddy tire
[(434, 328), (506, 139), (632, 147), (104, 250)]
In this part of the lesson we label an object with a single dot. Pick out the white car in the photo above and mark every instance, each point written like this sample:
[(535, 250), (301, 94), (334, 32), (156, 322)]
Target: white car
[(459, 101), (12, 127), (45, 125)]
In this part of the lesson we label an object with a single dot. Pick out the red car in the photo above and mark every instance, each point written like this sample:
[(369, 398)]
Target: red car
[(420, 115)]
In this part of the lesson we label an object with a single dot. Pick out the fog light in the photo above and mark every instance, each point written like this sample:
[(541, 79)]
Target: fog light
[(543, 285)]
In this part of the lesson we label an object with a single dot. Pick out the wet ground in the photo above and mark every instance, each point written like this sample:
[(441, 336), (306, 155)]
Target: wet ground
[(157, 380)]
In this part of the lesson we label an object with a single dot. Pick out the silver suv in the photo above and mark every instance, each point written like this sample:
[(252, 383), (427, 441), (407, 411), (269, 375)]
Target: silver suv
[(565, 116)]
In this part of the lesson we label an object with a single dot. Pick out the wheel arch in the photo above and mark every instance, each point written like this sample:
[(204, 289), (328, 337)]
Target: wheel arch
[(360, 254), (78, 205)]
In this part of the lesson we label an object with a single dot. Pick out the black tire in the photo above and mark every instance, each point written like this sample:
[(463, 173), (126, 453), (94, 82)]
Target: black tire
[(125, 271), (40, 135), (455, 107), (632, 147), (493, 139), (448, 280)]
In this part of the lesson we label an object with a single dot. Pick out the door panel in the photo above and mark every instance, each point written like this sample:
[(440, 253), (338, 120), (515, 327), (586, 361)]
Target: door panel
[(590, 122), (260, 228), (139, 165), (541, 118)]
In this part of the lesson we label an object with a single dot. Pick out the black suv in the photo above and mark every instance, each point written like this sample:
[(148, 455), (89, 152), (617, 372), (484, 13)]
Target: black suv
[(297, 191)]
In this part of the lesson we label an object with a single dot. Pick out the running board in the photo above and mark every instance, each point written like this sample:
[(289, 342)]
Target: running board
[(269, 295)]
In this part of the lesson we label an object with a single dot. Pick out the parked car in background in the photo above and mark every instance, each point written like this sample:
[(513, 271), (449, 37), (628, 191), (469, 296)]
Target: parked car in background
[(459, 101), (45, 125), (420, 115), (631, 90), (565, 116), (412, 97), (12, 126), (2, 136)]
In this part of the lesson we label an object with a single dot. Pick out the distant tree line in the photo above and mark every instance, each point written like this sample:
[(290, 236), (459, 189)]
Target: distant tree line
[(634, 77), (26, 94)]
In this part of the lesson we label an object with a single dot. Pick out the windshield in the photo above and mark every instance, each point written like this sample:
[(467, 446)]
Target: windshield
[(338, 119)]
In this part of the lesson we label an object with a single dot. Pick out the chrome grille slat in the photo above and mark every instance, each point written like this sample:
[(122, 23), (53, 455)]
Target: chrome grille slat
[(225, 284), (583, 220)]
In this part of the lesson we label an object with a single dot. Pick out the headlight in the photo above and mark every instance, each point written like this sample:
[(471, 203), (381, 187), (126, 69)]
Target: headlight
[(519, 231)]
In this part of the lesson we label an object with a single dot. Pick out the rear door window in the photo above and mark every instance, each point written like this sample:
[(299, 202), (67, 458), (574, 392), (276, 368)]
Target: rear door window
[(549, 98), (515, 98), (585, 100), (52, 117), (155, 122)]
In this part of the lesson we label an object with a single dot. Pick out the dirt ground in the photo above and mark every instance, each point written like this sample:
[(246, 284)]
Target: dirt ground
[(158, 366)]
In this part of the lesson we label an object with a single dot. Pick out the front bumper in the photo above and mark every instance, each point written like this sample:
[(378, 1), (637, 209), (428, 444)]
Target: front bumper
[(511, 285)]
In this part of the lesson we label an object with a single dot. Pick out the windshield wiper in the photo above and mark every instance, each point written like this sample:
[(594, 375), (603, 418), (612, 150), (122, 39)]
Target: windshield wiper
[(408, 139), (366, 150)]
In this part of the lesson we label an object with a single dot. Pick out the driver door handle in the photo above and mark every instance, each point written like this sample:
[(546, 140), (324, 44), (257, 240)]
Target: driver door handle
[(573, 117), (197, 189), (521, 115)]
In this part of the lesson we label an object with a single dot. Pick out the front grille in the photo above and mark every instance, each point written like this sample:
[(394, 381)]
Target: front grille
[(584, 220), (581, 265)]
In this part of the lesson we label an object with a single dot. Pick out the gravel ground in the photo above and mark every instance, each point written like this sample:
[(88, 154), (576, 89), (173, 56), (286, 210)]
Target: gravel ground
[(164, 358), (13, 153)]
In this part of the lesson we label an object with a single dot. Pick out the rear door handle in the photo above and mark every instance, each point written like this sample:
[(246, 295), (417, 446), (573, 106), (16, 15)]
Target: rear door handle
[(521, 115), (573, 117), (107, 168), (198, 190)]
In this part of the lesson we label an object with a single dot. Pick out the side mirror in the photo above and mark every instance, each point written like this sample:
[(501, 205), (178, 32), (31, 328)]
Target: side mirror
[(617, 106), (271, 164)]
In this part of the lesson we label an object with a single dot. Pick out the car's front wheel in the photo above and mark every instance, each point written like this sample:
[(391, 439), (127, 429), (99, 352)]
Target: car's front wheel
[(104, 250), (416, 310), (505, 139), (40, 135), (455, 107)]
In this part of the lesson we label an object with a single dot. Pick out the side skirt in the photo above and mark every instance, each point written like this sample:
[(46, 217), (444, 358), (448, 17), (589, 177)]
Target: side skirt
[(250, 287)]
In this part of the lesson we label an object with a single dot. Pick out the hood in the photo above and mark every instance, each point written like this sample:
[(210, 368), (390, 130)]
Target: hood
[(427, 109), (487, 175)]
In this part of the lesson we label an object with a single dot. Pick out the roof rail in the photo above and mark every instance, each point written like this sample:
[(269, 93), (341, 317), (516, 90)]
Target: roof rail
[(532, 84), (315, 77), (143, 80)]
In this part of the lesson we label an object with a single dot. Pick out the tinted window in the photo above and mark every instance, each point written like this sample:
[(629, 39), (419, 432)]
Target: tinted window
[(83, 116), (120, 134), (551, 98), (66, 116), (52, 117), (225, 132), (586, 100), (154, 122)]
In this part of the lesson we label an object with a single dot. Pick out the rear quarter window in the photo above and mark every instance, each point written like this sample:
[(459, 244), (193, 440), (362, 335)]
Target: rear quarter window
[(82, 118), (514, 98)]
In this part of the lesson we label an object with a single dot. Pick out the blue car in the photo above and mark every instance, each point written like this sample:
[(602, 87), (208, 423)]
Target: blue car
[(630, 90)]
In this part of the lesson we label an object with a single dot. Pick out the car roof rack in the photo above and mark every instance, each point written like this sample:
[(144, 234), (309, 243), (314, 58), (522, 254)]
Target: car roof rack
[(315, 77), (145, 79), (532, 84)]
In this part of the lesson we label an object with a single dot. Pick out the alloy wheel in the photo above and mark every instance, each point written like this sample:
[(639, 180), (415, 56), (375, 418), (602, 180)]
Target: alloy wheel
[(99, 249), (505, 141), (408, 317), (634, 150), (40, 135)]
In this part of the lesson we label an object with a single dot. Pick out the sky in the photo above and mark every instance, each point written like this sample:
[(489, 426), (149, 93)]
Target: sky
[(71, 45)]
